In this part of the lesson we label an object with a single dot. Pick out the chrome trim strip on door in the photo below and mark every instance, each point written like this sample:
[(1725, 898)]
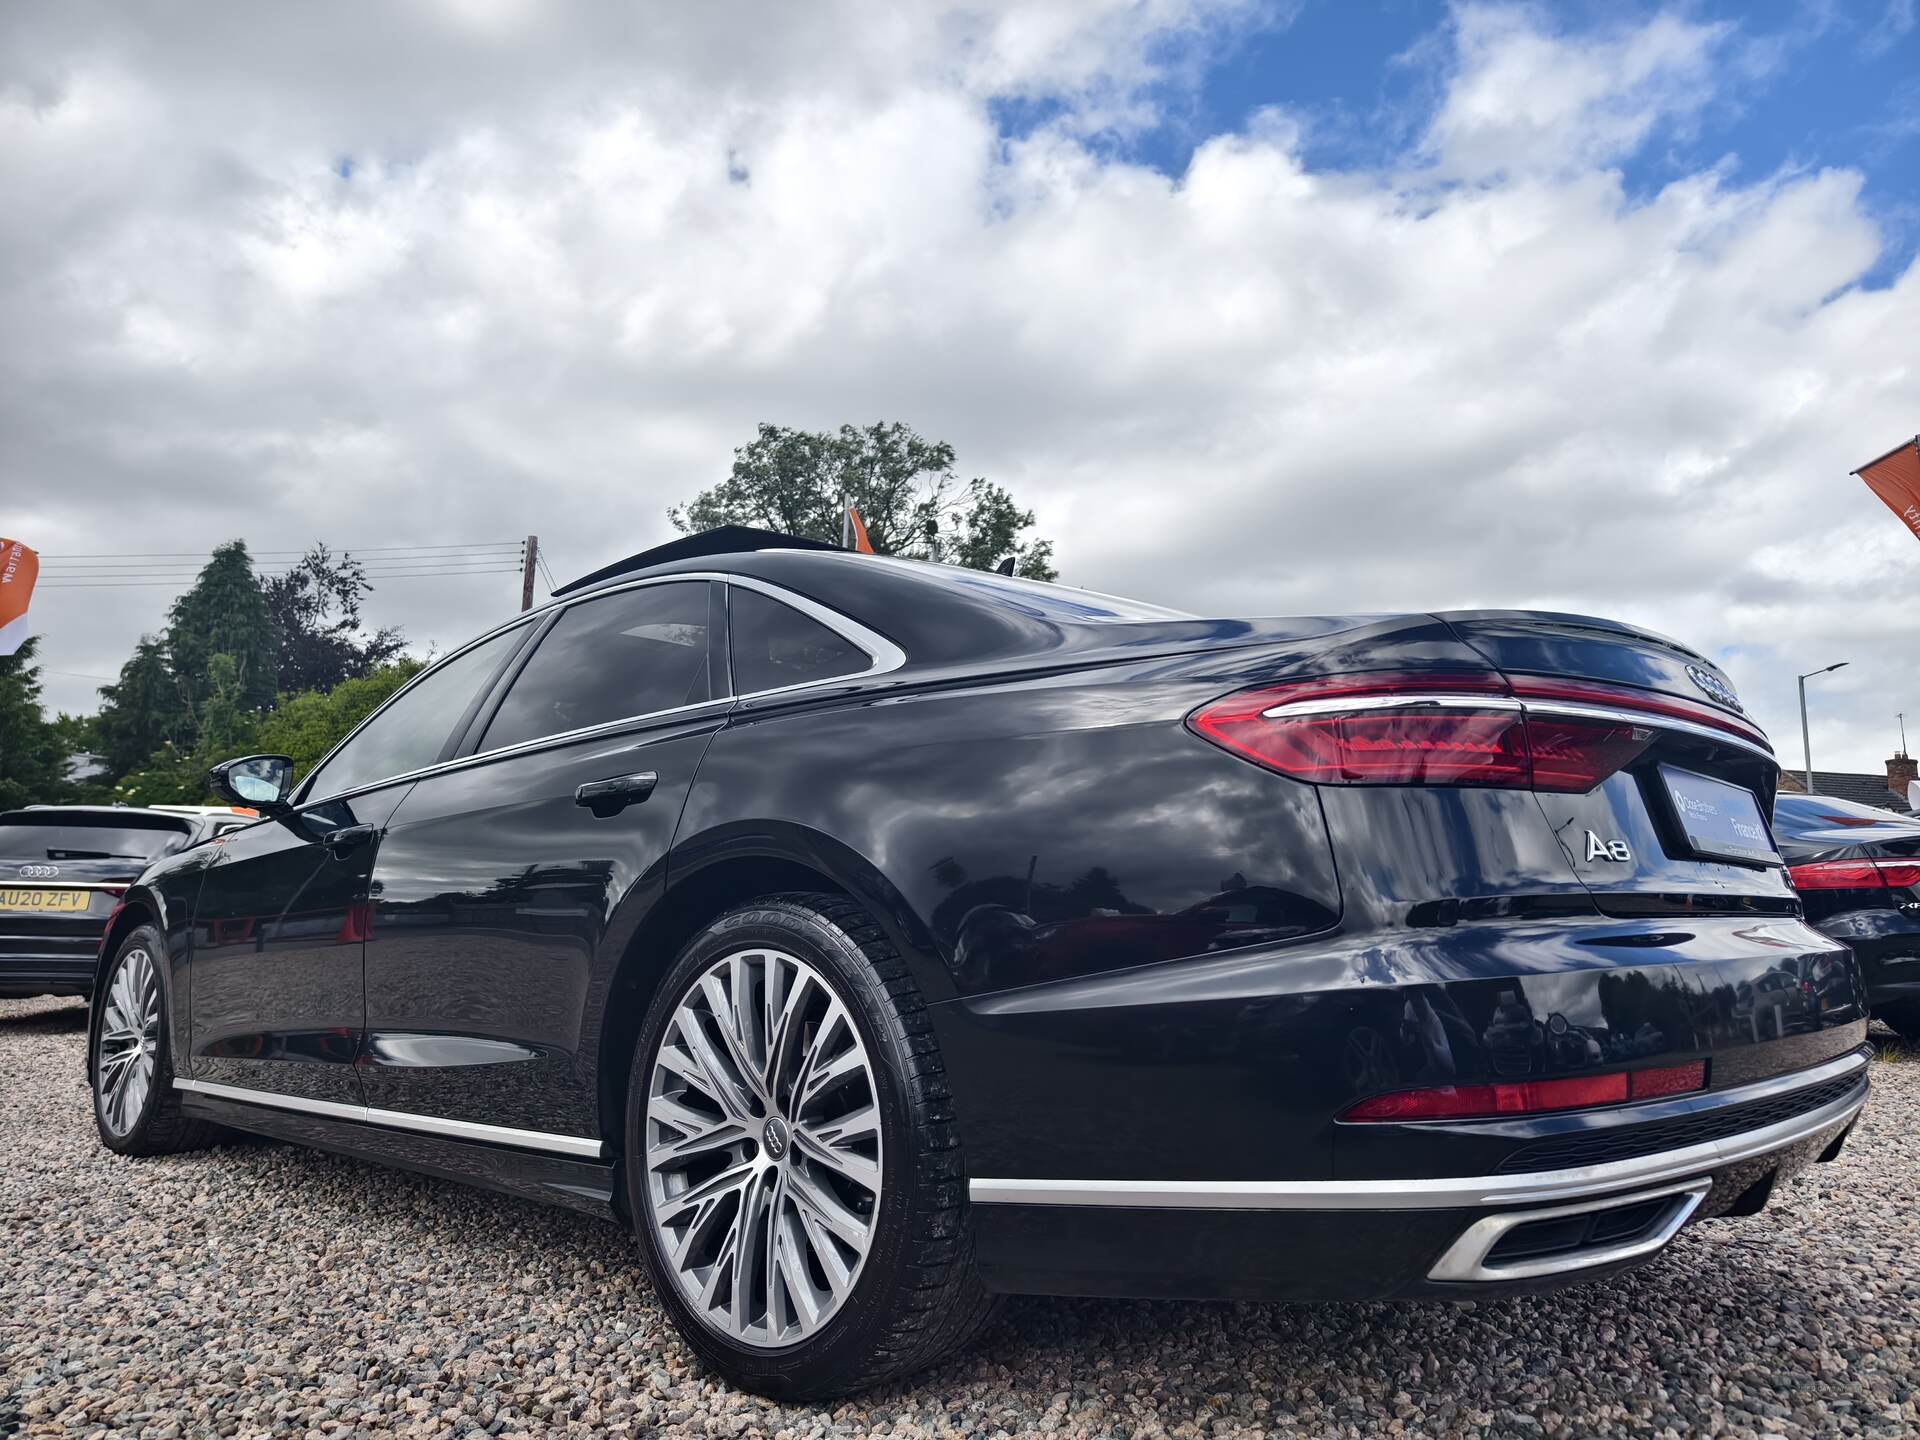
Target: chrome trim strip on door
[(1451, 1192), (401, 1120)]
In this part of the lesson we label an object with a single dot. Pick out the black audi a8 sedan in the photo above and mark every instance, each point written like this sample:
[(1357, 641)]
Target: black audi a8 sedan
[(1858, 873), (878, 938)]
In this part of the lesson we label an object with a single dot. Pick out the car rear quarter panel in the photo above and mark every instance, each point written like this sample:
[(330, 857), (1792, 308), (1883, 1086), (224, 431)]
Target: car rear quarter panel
[(1036, 829)]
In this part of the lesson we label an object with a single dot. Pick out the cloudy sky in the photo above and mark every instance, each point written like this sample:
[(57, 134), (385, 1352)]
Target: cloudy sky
[(1265, 306)]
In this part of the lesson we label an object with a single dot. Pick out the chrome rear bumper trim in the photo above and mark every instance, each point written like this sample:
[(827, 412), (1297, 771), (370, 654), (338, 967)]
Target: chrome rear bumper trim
[(401, 1120), (1466, 1258), (1456, 1192)]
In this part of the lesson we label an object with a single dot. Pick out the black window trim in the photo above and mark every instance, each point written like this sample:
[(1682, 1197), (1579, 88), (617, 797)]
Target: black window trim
[(882, 652)]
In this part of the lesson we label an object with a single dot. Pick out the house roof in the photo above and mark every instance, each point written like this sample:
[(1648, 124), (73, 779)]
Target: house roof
[(1869, 789)]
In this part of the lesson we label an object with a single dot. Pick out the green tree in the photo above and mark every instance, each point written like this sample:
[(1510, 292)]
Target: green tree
[(308, 725), (225, 613), (305, 726), (142, 710), (904, 486), (32, 768), (315, 612)]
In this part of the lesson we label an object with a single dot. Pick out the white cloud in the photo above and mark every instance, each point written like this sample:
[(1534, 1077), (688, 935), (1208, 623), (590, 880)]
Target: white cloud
[(574, 264), (1524, 99)]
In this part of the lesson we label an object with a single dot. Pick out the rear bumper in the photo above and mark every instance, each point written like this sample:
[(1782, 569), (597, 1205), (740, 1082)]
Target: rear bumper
[(49, 954), (1459, 1236), (26, 975)]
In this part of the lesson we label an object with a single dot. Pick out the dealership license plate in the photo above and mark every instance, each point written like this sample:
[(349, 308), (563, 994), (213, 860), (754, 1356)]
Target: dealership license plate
[(48, 902), (1721, 821)]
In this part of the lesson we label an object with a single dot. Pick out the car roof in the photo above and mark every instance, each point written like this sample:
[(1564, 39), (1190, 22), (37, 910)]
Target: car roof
[(134, 817)]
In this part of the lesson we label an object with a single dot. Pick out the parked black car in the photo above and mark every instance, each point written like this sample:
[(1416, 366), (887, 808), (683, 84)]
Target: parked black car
[(1858, 873), (877, 938), (63, 869)]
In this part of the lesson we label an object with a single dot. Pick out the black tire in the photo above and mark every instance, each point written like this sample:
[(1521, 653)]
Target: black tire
[(159, 1127), (918, 1296)]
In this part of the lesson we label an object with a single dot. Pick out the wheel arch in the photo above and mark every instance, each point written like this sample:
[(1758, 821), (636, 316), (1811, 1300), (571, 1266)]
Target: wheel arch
[(139, 906), (720, 871)]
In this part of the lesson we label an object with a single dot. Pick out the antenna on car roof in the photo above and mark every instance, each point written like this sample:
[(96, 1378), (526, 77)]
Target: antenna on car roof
[(721, 540)]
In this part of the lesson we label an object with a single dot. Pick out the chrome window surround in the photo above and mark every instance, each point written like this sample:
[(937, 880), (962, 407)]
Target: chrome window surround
[(1458, 1192), (1332, 705), (1466, 1259), (884, 654), (574, 1145)]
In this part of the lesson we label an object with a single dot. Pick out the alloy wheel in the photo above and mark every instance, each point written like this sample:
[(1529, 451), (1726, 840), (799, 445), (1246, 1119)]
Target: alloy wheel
[(129, 1042), (763, 1148)]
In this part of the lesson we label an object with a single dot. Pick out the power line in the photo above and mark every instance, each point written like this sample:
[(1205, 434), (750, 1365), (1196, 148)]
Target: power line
[(271, 566), (184, 582), (337, 549)]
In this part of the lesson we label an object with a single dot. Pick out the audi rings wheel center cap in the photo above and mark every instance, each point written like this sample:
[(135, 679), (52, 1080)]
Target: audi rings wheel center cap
[(774, 1137)]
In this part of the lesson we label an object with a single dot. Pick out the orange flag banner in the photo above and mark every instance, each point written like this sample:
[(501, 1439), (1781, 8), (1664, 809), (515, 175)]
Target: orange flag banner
[(19, 568), (859, 532), (1895, 478)]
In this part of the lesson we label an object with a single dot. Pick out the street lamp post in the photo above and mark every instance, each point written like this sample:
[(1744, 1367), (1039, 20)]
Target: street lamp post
[(1806, 739)]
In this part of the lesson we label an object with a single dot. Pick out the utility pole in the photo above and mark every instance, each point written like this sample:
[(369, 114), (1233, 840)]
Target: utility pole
[(1806, 742), (528, 558)]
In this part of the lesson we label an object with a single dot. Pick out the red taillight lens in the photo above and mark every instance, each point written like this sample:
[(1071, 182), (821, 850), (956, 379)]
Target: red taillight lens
[(1651, 702), (1528, 1097), (1855, 875), (1417, 730)]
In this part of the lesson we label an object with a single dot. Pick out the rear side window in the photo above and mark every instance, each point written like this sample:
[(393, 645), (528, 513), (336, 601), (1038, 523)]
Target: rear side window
[(411, 732), (631, 653), (775, 645), (26, 839)]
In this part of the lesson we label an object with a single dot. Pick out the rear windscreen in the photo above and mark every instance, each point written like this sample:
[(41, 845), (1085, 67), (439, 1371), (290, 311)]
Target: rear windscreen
[(64, 840)]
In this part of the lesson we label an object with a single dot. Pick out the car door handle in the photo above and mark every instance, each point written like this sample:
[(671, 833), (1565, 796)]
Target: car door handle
[(610, 797), (351, 837)]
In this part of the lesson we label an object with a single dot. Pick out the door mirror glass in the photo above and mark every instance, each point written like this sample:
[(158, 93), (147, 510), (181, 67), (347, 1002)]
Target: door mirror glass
[(262, 782)]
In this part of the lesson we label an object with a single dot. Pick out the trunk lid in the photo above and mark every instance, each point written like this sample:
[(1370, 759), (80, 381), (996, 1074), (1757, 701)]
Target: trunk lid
[(1672, 833)]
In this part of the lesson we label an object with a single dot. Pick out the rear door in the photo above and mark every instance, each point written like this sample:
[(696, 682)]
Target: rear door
[(277, 987), (502, 886)]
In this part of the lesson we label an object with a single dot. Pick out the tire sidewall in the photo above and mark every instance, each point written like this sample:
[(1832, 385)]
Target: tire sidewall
[(846, 1342), (147, 938)]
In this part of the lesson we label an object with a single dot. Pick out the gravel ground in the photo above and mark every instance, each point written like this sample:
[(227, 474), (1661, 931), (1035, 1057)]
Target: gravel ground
[(262, 1288)]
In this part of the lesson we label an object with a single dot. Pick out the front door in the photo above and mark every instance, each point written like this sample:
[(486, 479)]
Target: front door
[(277, 986), (277, 995), (500, 881)]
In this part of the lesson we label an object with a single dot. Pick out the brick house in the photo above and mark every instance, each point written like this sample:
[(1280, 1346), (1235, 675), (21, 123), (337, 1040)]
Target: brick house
[(1884, 792)]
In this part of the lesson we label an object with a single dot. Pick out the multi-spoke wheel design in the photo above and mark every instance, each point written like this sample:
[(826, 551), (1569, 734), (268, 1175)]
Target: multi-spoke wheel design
[(762, 1138), (129, 1042)]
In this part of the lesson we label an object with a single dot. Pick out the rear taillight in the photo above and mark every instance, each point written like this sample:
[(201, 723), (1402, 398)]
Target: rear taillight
[(1529, 1097), (1855, 875), (1419, 730)]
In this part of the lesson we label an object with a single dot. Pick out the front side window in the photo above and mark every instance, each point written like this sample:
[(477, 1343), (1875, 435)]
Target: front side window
[(774, 645), (631, 653), (411, 732)]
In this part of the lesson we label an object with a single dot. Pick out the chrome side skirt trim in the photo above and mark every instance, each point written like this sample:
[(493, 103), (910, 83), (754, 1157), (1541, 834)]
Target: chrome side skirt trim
[(1466, 1259), (401, 1120), (1452, 1192)]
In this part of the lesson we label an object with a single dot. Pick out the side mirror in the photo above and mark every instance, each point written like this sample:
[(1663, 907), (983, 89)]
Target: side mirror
[(262, 782)]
